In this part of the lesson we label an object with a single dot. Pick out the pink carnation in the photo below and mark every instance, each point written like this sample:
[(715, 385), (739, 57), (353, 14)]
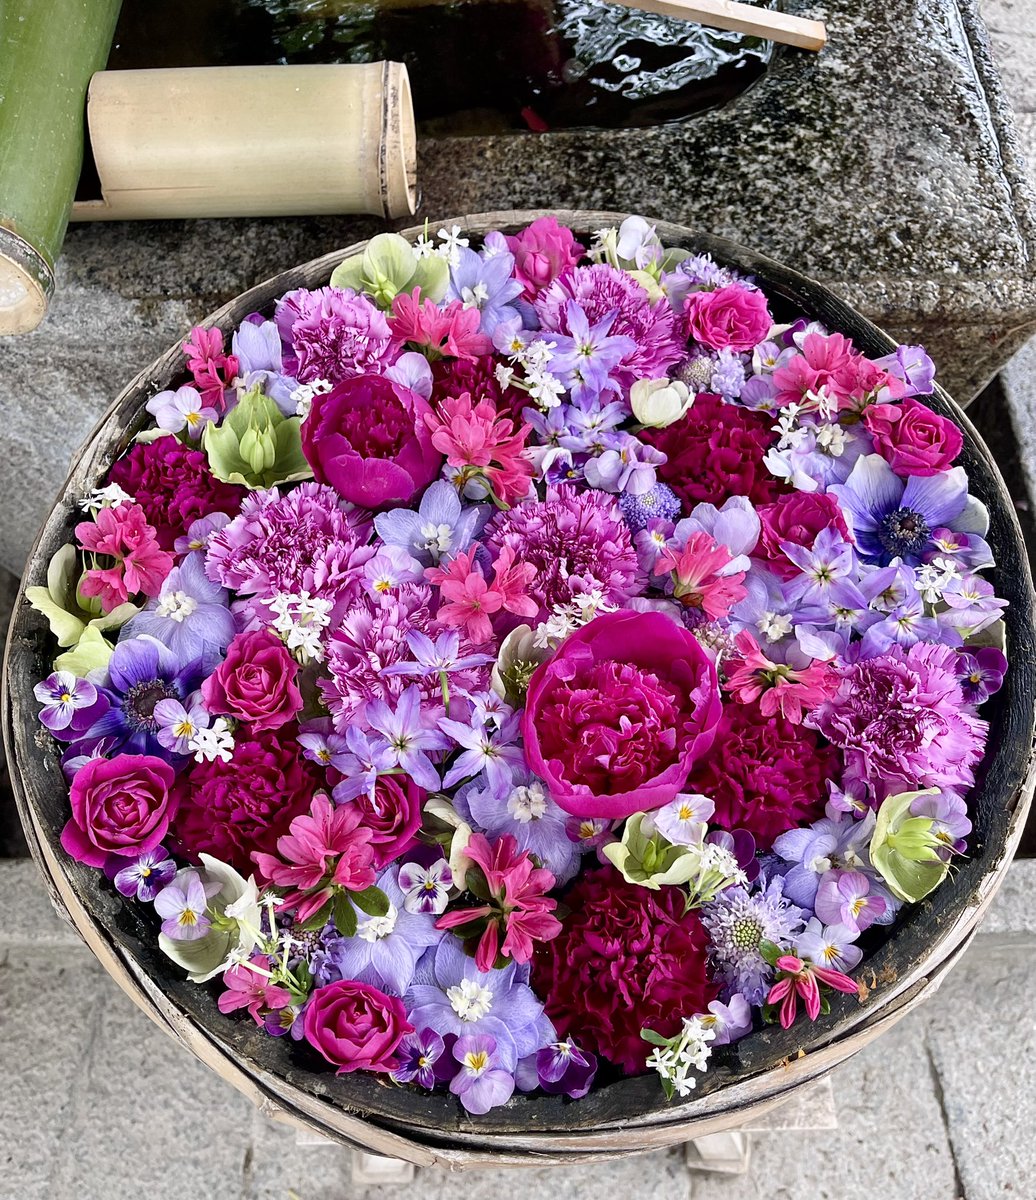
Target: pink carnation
[(543, 251), (140, 566), (334, 334)]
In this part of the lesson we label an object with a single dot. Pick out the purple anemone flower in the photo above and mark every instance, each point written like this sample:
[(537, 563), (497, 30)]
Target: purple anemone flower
[(896, 518)]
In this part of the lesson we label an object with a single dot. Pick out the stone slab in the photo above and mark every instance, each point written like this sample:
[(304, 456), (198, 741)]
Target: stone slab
[(900, 188)]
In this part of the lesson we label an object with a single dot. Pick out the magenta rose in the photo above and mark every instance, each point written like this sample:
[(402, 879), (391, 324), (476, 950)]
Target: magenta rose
[(543, 251), (797, 518), (255, 682), (367, 438), (120, 805), (615, 721), (732, 317), (356, 1027), (393, 816), (911, 438)]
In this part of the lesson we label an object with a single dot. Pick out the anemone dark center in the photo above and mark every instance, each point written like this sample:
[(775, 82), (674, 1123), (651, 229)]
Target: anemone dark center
[(903, 532), (139, 705)]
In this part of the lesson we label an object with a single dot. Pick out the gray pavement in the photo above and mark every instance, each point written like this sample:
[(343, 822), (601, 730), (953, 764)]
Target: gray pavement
[(96, 1103)]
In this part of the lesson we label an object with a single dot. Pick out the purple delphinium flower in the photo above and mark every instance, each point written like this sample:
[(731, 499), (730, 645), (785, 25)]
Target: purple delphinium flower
[(260, 363), (408, 738), (420, 1054), (824, 846), (482, 1082), (895, 518), (176, 722), (70, 704), (425, 886), (981, 673), (560, 1069), (436, 658), (141, 672), (913, 366), (189, 615), (384, 950), (659, 503), (199, 532), (181, 409), (738, 924), (625, 465), (828, 946), (950, 822), (489, 752), (360, 766), (728, 1021), (451, 995), (182, 904), (487, 284), (438, 530), (146, 875), (843, 898), (586, 356)]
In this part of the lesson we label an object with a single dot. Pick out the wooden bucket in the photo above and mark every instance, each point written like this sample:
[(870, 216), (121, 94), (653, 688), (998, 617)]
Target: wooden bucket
[(622, 1118)]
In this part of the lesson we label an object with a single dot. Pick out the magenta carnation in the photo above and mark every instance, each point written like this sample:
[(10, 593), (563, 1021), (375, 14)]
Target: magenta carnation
[(577, 541), (173, 485), (231, 809), (902, 722), (626, 959), (715, 452), (308, 540), (601, 290), (764, 774), (615, 720), (334, 334)]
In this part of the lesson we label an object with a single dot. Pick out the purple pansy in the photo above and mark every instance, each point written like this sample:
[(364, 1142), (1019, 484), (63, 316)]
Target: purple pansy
[(146, 875), (70, 704), (483, 1082)]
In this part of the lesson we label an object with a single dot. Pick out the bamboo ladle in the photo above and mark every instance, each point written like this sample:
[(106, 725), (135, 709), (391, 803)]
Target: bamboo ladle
[(740, 18)]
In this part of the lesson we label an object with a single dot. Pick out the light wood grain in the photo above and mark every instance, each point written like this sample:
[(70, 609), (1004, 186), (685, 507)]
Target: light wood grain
[(740, 18)]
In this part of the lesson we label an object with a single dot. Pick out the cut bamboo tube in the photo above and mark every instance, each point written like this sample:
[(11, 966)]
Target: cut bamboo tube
[(48, 51), (740, 18), (252, 142)]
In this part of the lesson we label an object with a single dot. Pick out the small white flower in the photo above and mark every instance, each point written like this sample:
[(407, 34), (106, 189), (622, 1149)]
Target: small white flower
[(689, 1050), (452, 243), (831, 440), (373, 929), (176, 606), (300, 619), (774, 626), (424, 247), (470, 1000), (303, 395), (216, 742), (111, 497), (504, 375)]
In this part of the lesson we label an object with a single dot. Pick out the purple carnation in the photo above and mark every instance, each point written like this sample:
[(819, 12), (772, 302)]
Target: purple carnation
[(334, 334), (902, 722), (601, 290), (578, 543), (308, 540)]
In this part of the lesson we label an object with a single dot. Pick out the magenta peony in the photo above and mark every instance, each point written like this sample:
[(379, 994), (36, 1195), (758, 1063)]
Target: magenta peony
[(367, 438), (120, 806), (765, 774), (911, 438), (255, 683), (626, 959), (230, 809), (616, 719), (356, 1027), (734, 317)]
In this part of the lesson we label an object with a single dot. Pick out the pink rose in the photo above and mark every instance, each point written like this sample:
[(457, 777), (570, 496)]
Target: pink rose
[(120, 805), (393, 816), (911, 438), (733, 317), (255, 682), (356, 1027), (367, 438), (616, 719), (797, 517), (542, 252)]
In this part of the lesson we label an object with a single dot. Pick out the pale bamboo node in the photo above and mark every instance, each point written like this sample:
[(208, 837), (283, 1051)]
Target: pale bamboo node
[(766, 23), (26, 284), (252, 142)]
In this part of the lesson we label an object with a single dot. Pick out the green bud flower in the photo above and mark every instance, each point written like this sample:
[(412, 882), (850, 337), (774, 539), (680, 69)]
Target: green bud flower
[(389, 266), (256, 445), (904, 850), (646, 858)]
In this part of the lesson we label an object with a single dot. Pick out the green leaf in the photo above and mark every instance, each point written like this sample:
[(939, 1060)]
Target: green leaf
[(372, 901), (770, 952), (656, 1039), (345, 915), (68, 629), (319, 919)]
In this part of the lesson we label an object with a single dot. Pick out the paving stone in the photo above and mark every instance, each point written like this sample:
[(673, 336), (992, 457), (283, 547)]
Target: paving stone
[(29, 918), (981, 1035)]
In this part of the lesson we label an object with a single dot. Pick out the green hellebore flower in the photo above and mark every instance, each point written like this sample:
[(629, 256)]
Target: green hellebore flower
[(69, 614), (91, 653), (904, 850), (256, 446), (389, 266), (645, 858)]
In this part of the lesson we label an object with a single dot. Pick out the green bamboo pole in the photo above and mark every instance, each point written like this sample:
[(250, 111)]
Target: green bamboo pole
[(48, 51)]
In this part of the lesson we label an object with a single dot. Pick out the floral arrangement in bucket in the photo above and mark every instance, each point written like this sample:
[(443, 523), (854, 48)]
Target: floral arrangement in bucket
[(519, 665)]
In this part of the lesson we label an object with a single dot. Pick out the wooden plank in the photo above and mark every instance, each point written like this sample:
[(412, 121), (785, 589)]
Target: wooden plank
[(767, 23)]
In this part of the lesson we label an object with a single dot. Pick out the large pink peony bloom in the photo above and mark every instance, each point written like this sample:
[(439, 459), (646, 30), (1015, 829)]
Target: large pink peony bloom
[(615, 721), (367, 438)]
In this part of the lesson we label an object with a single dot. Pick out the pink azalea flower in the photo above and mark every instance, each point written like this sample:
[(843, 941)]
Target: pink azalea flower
[(448, 332), (477, 441), (777, 686), (471, 599), (519, 906), (251, 989), (325, 850), (700, 579), (213, 370), (141, 564), (798, 978)]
